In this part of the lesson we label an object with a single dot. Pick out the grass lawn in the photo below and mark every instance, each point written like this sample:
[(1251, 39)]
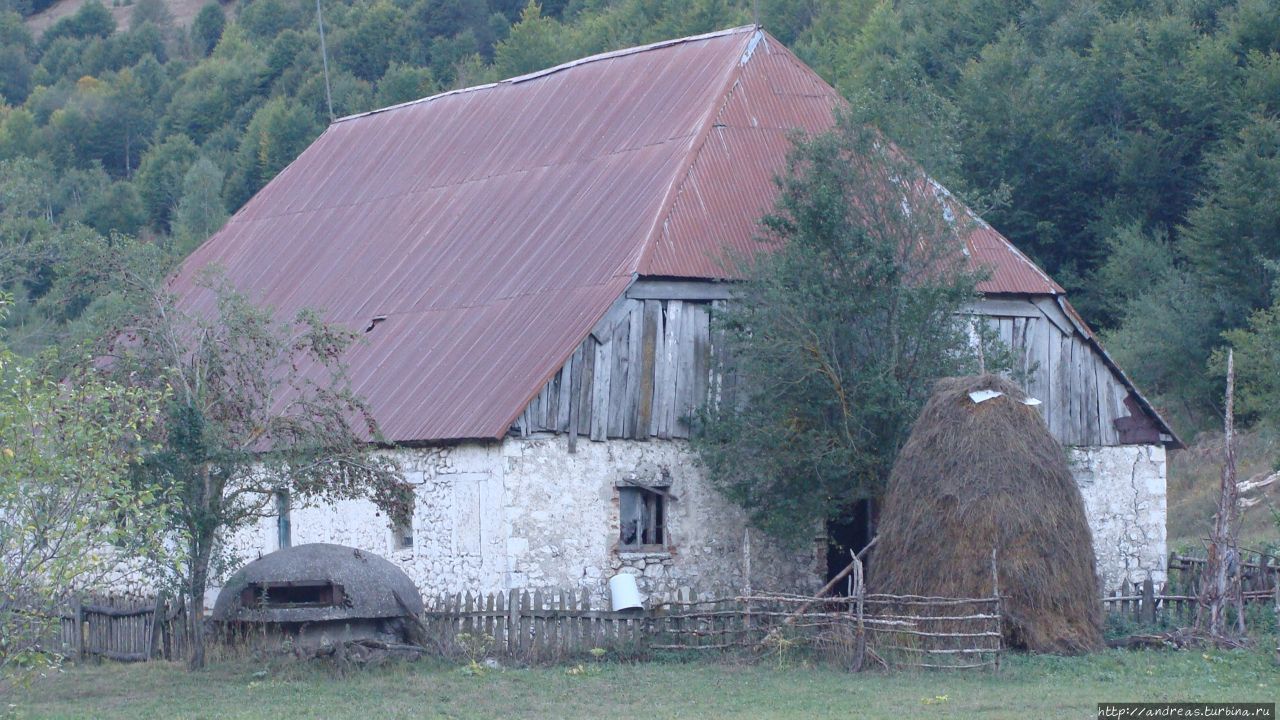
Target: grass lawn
[(1028, 687)]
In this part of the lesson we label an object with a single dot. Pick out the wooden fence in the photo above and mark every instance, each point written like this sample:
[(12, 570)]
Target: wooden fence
[(895, 631), (1174, 602), (125, 628)]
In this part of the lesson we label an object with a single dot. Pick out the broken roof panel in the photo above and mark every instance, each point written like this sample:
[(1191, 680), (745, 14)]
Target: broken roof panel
[(493, 227)]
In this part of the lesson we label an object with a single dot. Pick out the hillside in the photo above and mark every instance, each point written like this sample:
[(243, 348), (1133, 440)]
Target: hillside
[(183, 12), (1132, 150)]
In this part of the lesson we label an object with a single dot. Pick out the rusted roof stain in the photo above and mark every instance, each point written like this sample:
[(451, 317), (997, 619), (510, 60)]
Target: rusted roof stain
[(492, 227)]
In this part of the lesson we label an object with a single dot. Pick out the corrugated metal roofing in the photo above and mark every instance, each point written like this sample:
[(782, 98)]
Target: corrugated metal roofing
[(492, 227)]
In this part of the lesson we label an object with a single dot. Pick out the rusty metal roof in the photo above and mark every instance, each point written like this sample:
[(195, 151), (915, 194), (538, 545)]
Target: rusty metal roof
[(492, 227)]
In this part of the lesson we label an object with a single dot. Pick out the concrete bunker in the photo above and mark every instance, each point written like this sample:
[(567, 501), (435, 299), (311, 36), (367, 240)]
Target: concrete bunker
[(319, 592)]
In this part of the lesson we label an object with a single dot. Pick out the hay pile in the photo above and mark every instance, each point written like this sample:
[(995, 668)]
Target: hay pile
[(977, 475)]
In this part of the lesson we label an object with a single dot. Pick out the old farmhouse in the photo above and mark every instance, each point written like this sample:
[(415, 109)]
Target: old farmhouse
[(534, 264)]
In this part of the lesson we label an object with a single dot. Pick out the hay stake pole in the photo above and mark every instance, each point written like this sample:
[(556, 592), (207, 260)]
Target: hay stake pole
[(995, 593)]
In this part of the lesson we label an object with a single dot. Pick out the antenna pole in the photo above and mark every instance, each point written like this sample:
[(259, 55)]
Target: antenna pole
[(755, 13), (324, 58)]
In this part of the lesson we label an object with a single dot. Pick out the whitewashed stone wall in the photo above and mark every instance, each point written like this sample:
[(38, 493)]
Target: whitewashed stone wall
[(1124, 498), (526, 513)]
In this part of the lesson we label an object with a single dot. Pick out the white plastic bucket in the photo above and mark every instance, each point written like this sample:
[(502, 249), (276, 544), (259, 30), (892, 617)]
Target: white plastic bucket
[(623, 592)]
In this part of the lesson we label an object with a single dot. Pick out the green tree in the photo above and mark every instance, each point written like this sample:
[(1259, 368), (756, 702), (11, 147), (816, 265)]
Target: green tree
[(227, 444), (68, 513), (837, 333), (536, 42), (207, 28), (1235, 230), (377, 39), (278, 133), (159, 177), (201, 211), (93, 19), (1257, 358), (403, 83)]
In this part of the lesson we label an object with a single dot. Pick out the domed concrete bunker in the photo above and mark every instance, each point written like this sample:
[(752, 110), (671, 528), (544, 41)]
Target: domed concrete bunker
[(316, 590)]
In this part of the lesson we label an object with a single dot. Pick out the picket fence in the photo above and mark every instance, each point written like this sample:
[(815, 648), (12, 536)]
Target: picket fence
[(894, 631), (553, 626)]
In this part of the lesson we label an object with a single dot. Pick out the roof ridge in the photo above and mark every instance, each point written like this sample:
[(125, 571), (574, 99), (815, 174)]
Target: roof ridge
[(608, 55)]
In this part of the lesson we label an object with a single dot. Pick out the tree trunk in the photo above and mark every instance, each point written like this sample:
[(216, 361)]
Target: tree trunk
[(200, 553), (1220, 581)]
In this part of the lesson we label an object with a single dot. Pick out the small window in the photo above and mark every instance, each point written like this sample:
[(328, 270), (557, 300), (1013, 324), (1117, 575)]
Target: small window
[(642, 513), (402, 535), (284, 595), (284, 529)]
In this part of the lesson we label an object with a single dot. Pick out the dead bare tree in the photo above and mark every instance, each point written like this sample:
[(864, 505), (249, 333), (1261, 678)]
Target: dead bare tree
[(1220, 583)]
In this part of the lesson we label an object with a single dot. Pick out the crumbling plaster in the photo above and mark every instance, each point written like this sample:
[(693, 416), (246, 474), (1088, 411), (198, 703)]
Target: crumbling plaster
[(1124, 497)]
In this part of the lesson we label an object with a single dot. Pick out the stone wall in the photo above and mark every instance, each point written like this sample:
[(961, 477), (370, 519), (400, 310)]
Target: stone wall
[(526, 513), (1124, 498)]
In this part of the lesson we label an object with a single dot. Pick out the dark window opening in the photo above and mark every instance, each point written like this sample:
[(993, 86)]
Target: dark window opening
[(642, 512), (403, 535), (292, 595)]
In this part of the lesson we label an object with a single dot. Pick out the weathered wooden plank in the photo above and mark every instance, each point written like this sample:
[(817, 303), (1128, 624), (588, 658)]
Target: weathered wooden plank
[(678, 290), (1107, 433), (701, 356), (564, 399), (588, 389), (1005, 327), (635, 366), (650, 336), (600, 391), (665, 392), (1060, 419), (574, 401), (1055, 315), (620, 351), (1089, 394), (603, 329), (660, 369), (684, 372)]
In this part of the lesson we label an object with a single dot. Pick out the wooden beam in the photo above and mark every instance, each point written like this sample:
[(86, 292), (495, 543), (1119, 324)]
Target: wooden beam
[(999, 307), (678, 290)]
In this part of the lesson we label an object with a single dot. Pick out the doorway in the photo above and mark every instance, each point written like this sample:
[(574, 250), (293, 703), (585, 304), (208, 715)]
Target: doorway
[(851, 531)]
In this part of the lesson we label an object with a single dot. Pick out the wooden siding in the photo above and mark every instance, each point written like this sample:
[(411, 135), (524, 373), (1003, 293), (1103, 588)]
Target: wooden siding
[(1081, 397), (641, 373), (647, 366)]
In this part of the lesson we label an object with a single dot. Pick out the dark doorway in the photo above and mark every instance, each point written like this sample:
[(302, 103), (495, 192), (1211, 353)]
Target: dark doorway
[(852, 531)]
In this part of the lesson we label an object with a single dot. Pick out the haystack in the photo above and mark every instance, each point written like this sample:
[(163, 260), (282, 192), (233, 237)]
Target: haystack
[(978, 475)]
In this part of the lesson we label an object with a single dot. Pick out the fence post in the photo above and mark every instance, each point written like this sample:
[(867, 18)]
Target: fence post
[(1148, 601), (157, 617), (77, 637)]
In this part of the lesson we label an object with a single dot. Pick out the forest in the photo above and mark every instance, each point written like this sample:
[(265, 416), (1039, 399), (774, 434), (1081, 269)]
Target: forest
[(1131, 148)]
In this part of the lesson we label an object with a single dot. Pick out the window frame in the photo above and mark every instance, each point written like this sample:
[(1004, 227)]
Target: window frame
[(650, 508)]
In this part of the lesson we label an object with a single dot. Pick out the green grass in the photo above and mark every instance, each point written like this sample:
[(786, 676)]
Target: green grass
[(1028, 686)]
